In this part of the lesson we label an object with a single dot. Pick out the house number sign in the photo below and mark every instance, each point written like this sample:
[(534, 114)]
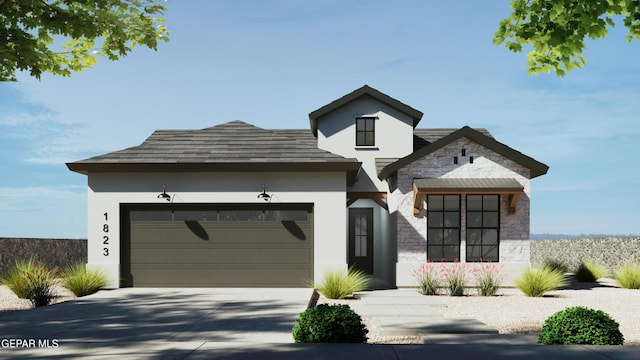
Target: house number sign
[(105, 235)]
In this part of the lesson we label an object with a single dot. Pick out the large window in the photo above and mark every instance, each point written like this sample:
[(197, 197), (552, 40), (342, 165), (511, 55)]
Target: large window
[(443, 227), (365, 131), (483, 227)]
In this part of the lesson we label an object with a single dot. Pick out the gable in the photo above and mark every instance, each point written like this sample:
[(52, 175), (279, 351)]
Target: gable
[(364, 92), (535, 167)]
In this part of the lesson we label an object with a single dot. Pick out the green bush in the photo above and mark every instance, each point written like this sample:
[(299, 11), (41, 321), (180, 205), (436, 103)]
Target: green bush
[(580, 325), (83, 282), (628, 275), (555, 264), (31, 280), (590, 271), (338, 284), (535, 282), (329, 324)]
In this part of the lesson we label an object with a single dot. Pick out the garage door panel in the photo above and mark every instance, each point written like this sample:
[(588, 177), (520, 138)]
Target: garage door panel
[(293, 233), (223, 277), (175, 255), (217, 245)]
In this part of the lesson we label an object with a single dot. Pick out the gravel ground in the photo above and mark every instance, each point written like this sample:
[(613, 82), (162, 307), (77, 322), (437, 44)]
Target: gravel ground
[(513, 313), (9, 301)]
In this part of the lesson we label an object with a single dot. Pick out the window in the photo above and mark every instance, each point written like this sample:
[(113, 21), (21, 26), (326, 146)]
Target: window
[(365, 131), (443, 227), (483, 227)]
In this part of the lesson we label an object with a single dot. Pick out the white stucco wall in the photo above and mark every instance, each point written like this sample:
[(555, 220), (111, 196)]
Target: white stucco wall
[(412, 230), (108, 190), (393, 138)]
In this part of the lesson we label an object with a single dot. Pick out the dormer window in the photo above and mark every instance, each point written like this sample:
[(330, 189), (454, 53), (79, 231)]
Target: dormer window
[(365, 131)]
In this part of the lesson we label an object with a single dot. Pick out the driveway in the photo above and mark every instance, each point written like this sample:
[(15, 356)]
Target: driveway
[(142, 320)]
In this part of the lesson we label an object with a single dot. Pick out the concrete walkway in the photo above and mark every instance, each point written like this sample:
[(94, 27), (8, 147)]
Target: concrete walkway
[(403, 312)]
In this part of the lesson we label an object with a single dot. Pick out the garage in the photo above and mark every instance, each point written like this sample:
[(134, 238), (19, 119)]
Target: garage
[(217, 245)]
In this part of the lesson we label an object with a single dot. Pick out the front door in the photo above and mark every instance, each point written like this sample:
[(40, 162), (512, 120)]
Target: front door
[(361, 240)]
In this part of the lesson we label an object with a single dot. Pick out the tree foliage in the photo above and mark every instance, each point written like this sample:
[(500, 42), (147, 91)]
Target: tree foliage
[(557, 29), (63, 36)]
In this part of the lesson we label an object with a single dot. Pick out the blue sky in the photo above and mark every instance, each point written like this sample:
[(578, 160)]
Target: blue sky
[(270, 63)]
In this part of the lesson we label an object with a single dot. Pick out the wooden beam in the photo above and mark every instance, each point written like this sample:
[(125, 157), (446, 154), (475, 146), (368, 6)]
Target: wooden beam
[(417, 200), (377, 197), (513, 200)]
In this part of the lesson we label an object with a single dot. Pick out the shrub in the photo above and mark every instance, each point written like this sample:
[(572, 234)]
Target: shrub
[(428, 278), (590, 271), (83, 282), (455, 278), (580, 325), (535, 282), (628, 275), (338, 284), (31, 280), (489, 277), (329, 324), (555, 264)]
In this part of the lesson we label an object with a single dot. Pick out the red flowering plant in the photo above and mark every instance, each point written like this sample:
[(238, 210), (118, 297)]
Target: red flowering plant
[(31, 280), (428, 278), (455, 277), (489, 277)]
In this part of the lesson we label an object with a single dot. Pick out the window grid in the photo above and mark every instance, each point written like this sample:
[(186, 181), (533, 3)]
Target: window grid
[(483, 227), (365, 131), (443, 227)]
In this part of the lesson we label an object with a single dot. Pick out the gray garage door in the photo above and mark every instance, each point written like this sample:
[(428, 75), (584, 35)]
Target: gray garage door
[(218, 245)]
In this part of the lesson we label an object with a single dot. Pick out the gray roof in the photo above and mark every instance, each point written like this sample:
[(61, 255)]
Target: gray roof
[(233, 146), (535, 167), (366, 90), (474, 185)]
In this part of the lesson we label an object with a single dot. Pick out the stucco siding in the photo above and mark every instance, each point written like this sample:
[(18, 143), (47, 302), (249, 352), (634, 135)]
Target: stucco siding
[(108, 190), (393, 138)]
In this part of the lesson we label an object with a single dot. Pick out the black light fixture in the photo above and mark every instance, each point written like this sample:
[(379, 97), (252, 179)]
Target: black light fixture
[(164, 194), (263, 195)]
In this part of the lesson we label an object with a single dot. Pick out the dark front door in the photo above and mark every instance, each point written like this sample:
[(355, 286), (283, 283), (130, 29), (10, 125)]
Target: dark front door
[(361, 239)]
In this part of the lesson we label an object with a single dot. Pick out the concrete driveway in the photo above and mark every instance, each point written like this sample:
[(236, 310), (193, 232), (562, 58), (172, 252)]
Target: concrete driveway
[(168, 323)]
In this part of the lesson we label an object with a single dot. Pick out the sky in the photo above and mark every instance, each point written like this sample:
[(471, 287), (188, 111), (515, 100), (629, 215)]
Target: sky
[(271, 63)]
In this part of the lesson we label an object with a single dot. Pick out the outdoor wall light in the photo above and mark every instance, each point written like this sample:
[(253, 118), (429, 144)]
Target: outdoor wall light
[(263, 195), (164, 194)]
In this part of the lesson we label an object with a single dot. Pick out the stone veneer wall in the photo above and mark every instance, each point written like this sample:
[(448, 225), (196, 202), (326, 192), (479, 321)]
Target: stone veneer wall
[(611, 251), (412, 229), (53, 252)]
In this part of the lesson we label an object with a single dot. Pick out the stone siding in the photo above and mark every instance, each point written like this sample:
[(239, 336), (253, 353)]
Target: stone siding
[(53, 252), (412, 229), (611, 251)]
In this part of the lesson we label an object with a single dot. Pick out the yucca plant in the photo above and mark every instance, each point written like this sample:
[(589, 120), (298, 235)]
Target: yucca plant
[(628, 275), (535, 282), (337, 284), (590, 271), (31, 280), (81, 281)]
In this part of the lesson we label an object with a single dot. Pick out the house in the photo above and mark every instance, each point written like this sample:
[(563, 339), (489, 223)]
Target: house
[(237, 205)]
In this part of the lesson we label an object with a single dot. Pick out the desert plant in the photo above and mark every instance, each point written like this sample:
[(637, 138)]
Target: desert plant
[(337, 284), (580, 325), (455, 278), (628, 275), (31, 280), (489, 277), (535, 282), (590, 271), (555, 264), (329, 324), (81, 281), (428, 278)]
